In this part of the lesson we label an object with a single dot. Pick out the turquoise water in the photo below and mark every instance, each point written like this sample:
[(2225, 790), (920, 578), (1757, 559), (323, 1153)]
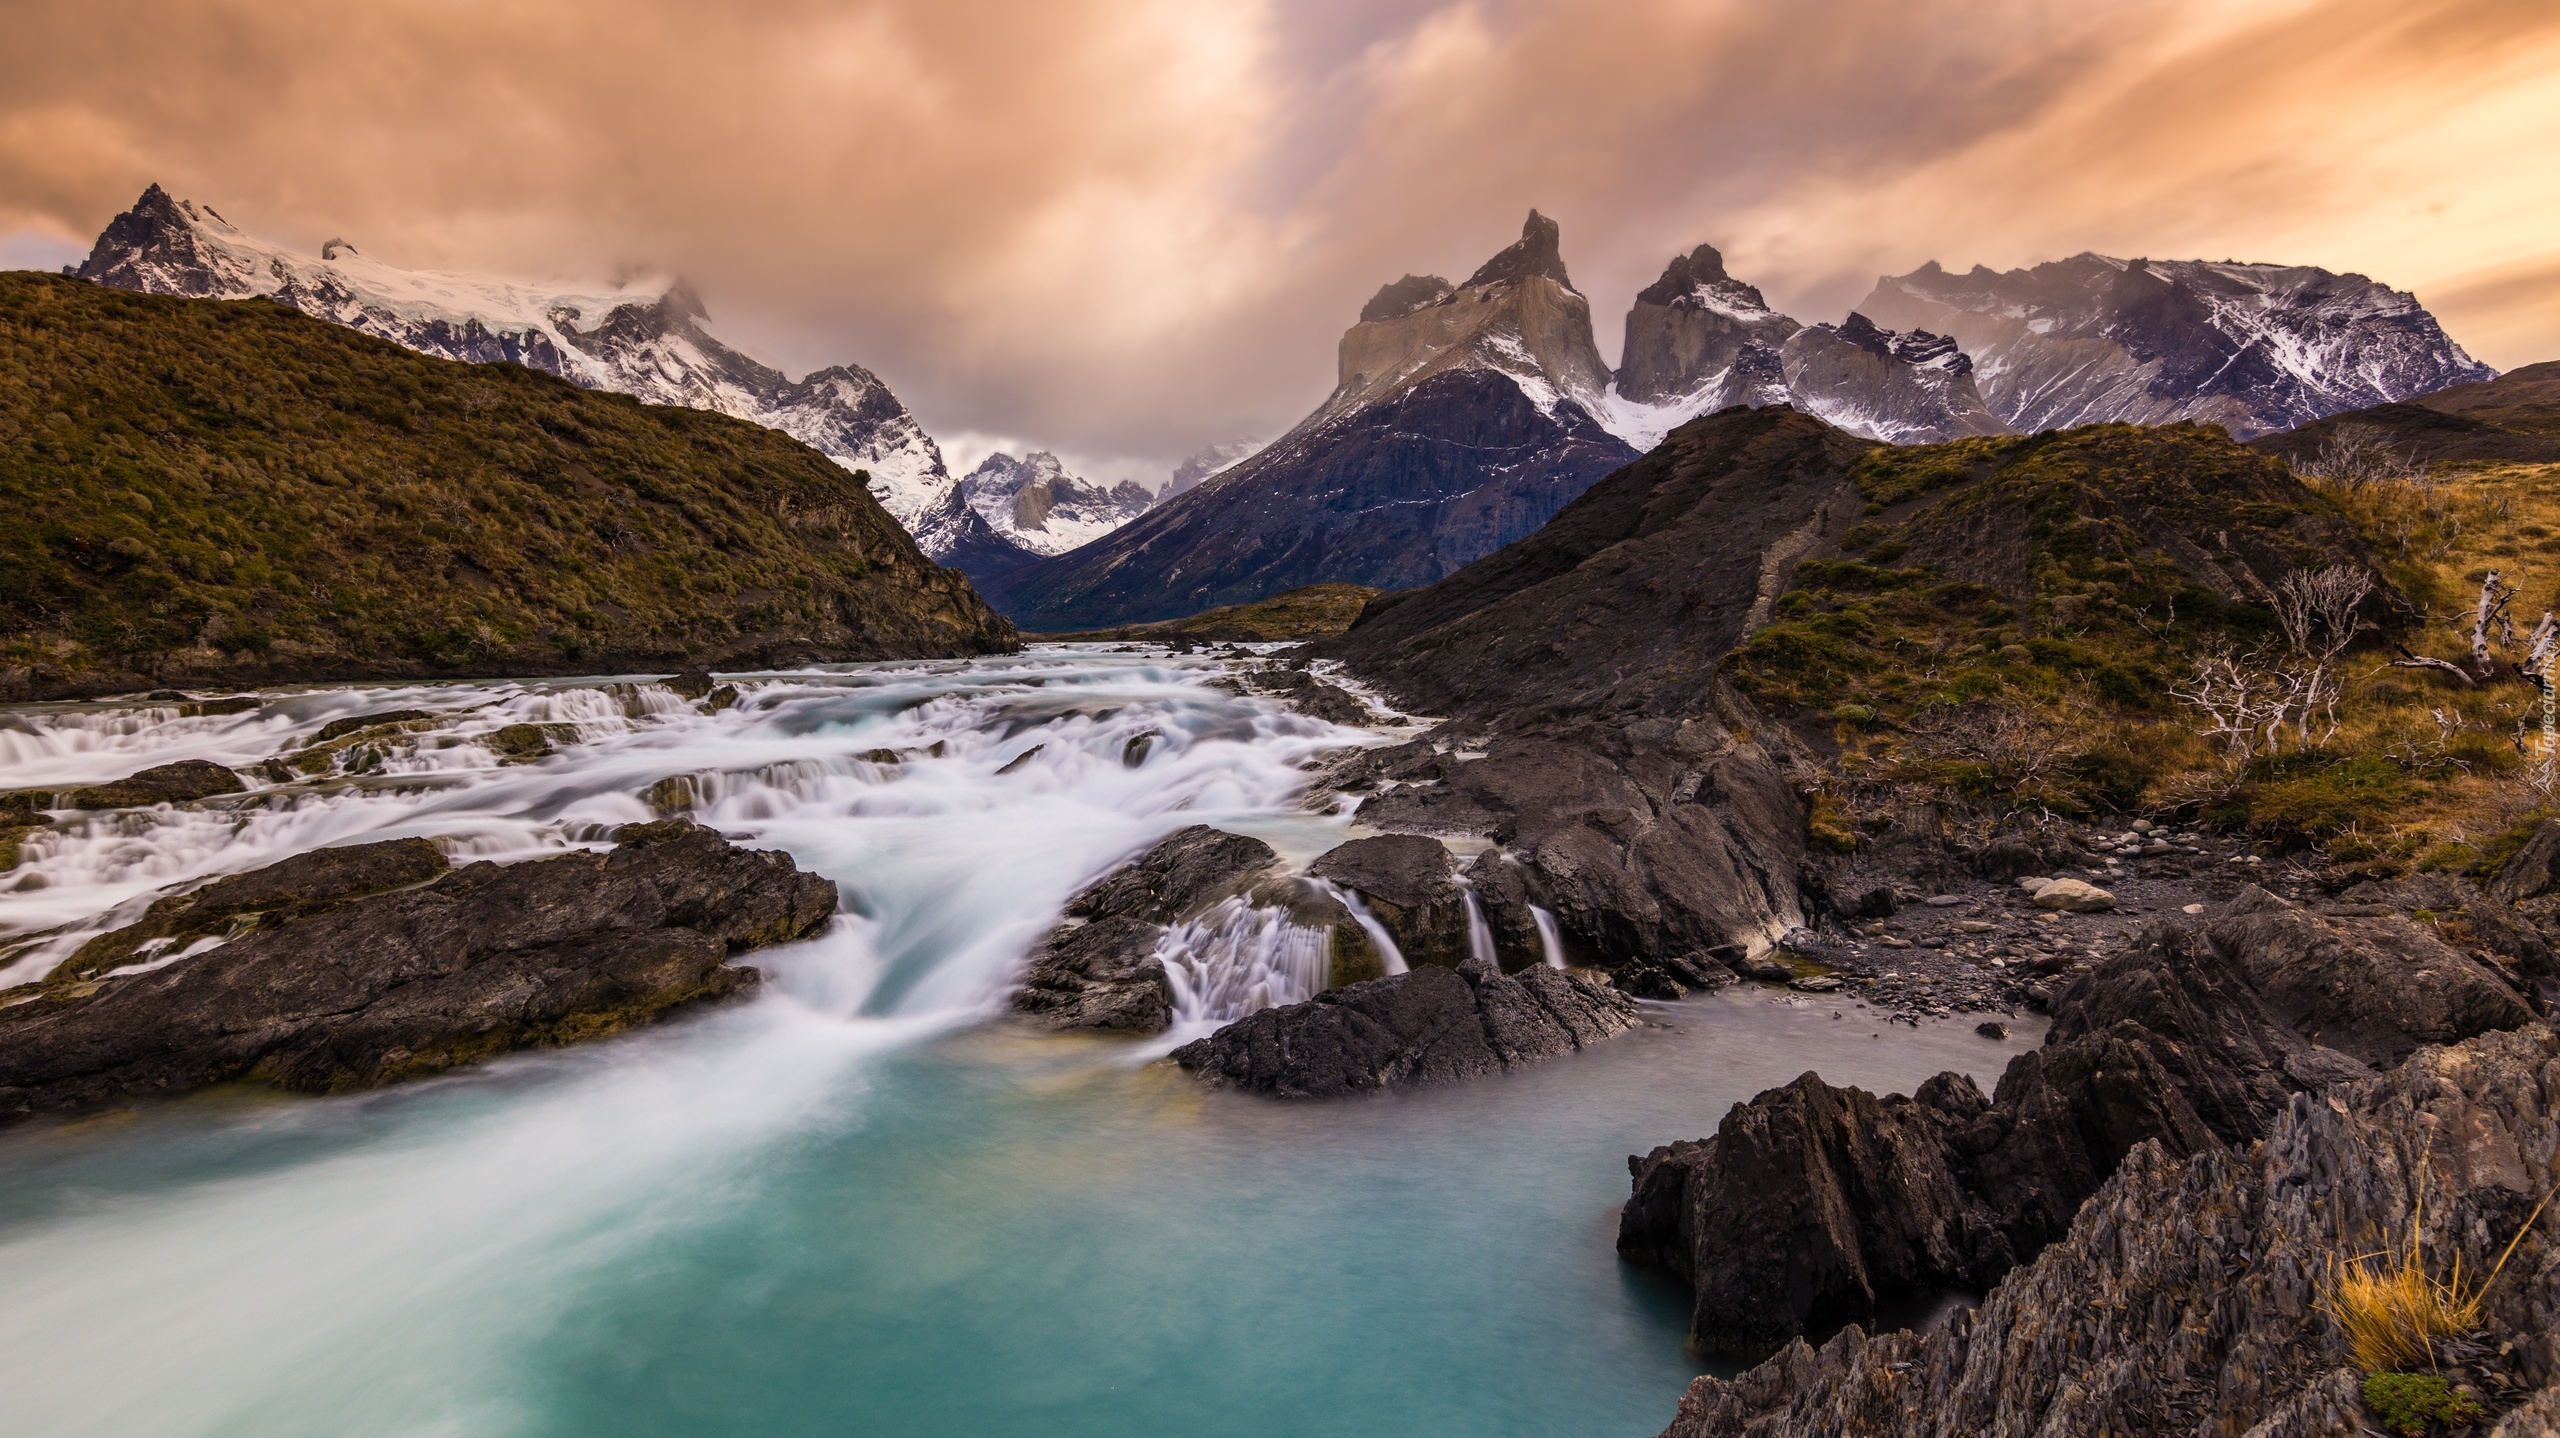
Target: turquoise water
[(851, 1206)]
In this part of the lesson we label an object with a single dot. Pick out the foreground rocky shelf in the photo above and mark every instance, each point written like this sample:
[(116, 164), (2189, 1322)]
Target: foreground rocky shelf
[(351, 967), (2186, 1295), (1814, 1205)]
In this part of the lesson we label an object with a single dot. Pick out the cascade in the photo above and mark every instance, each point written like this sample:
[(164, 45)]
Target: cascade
[(1550, 941)]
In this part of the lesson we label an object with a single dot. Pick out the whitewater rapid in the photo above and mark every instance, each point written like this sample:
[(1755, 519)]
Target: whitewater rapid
[(404, 1237)]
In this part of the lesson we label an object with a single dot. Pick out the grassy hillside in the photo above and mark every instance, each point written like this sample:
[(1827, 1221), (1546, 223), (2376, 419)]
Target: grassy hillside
[(2010, 631), (207, 491)]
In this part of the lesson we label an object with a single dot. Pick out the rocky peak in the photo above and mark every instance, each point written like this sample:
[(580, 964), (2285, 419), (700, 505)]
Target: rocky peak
[(1404, 296), (1036, 505), (1517, 315), (1697, 341), (1919, 347), (1538, 254), (1682, 278)]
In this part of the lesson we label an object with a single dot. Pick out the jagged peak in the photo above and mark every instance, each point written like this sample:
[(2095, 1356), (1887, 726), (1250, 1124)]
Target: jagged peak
[(1538, 252), (1404, 296), (1681, 278)]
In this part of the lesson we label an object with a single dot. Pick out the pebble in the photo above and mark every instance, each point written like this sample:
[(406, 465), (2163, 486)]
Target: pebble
[(1944, 901), (1972, 926)]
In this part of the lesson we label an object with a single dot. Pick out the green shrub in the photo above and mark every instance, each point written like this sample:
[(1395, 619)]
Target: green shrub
[(2411, 1401)]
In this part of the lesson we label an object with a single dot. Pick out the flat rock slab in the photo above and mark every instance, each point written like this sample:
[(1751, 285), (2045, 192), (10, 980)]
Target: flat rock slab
[(1432, 1025), (180, 783), (386, 986)]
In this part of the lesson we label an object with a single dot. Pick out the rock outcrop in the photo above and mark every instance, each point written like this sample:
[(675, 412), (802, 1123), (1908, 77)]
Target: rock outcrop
[(1099, 969), (2186, 1295), (181, 783), (1432, 1025), (2192, 1043), (1644, 802), (1409, 883), (1908, 388), (335, 985)]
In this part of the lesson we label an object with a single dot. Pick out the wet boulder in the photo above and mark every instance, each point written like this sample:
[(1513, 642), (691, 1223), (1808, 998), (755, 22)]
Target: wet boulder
[(1409, 883), (1099, 969), (181, 783), (1431, 1025), (387, 986)]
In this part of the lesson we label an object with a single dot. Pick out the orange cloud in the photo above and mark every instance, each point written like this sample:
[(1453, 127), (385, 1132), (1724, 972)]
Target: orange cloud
[(1131, 226)]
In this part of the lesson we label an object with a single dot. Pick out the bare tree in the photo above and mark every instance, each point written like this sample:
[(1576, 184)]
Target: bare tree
[(2355, 455), (2244, 700), (2321, 613)]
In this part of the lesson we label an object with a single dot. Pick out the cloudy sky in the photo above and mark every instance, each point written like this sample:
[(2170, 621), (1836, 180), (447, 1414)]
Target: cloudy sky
[(1125, 228)]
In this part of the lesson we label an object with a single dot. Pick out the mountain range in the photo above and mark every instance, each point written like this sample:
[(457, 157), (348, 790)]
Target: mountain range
[(1462, 417)]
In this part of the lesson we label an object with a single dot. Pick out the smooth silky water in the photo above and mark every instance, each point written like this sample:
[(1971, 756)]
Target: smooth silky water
[(850, 1205)]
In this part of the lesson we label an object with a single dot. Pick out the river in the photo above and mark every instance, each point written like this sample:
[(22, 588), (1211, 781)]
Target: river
[(851, 1204)]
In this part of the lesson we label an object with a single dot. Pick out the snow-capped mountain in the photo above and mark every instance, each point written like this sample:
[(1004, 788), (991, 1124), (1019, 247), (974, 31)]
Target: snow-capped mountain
[(1461, 420), (1206, 461), (2254, 348), (648, 339), (1902, 388), (1035, 505), (1699, 340)]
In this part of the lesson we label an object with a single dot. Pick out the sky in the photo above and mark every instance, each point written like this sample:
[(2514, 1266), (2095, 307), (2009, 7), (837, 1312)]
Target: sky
[(1123, 229)]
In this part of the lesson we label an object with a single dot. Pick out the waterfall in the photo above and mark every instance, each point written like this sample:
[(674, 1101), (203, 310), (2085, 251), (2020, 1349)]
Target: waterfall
[(1377, 932), (1549, 939), (1480, 934), (1237, 959)]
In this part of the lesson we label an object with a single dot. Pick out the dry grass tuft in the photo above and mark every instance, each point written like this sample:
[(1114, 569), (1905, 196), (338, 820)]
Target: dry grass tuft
[(2393, 1311)]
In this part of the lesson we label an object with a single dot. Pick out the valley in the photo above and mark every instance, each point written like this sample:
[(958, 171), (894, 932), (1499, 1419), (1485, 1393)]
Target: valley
[(1832, 849)]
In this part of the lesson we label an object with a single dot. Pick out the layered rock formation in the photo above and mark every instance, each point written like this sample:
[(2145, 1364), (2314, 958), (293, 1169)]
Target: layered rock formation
[(310, 976), (650, 340), (2186, 1295), (1812, 1206), (2254, 348), (1459, 423)]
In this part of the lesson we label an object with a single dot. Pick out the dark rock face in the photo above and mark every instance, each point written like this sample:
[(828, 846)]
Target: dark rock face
[(1098, 970), (1809, 1206), (1431, 1025), (1904, 388), (2183, 1297), (2191, 1044), (181, 783), (1393, 494), (486, 959)]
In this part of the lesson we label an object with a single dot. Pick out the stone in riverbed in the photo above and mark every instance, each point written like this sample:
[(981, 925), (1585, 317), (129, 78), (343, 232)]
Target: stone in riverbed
[(1431, 1025), (1409, 882), (2074, 896)]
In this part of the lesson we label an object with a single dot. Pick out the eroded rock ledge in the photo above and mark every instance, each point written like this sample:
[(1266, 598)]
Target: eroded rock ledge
[(332, 984), (2184, 1296)]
